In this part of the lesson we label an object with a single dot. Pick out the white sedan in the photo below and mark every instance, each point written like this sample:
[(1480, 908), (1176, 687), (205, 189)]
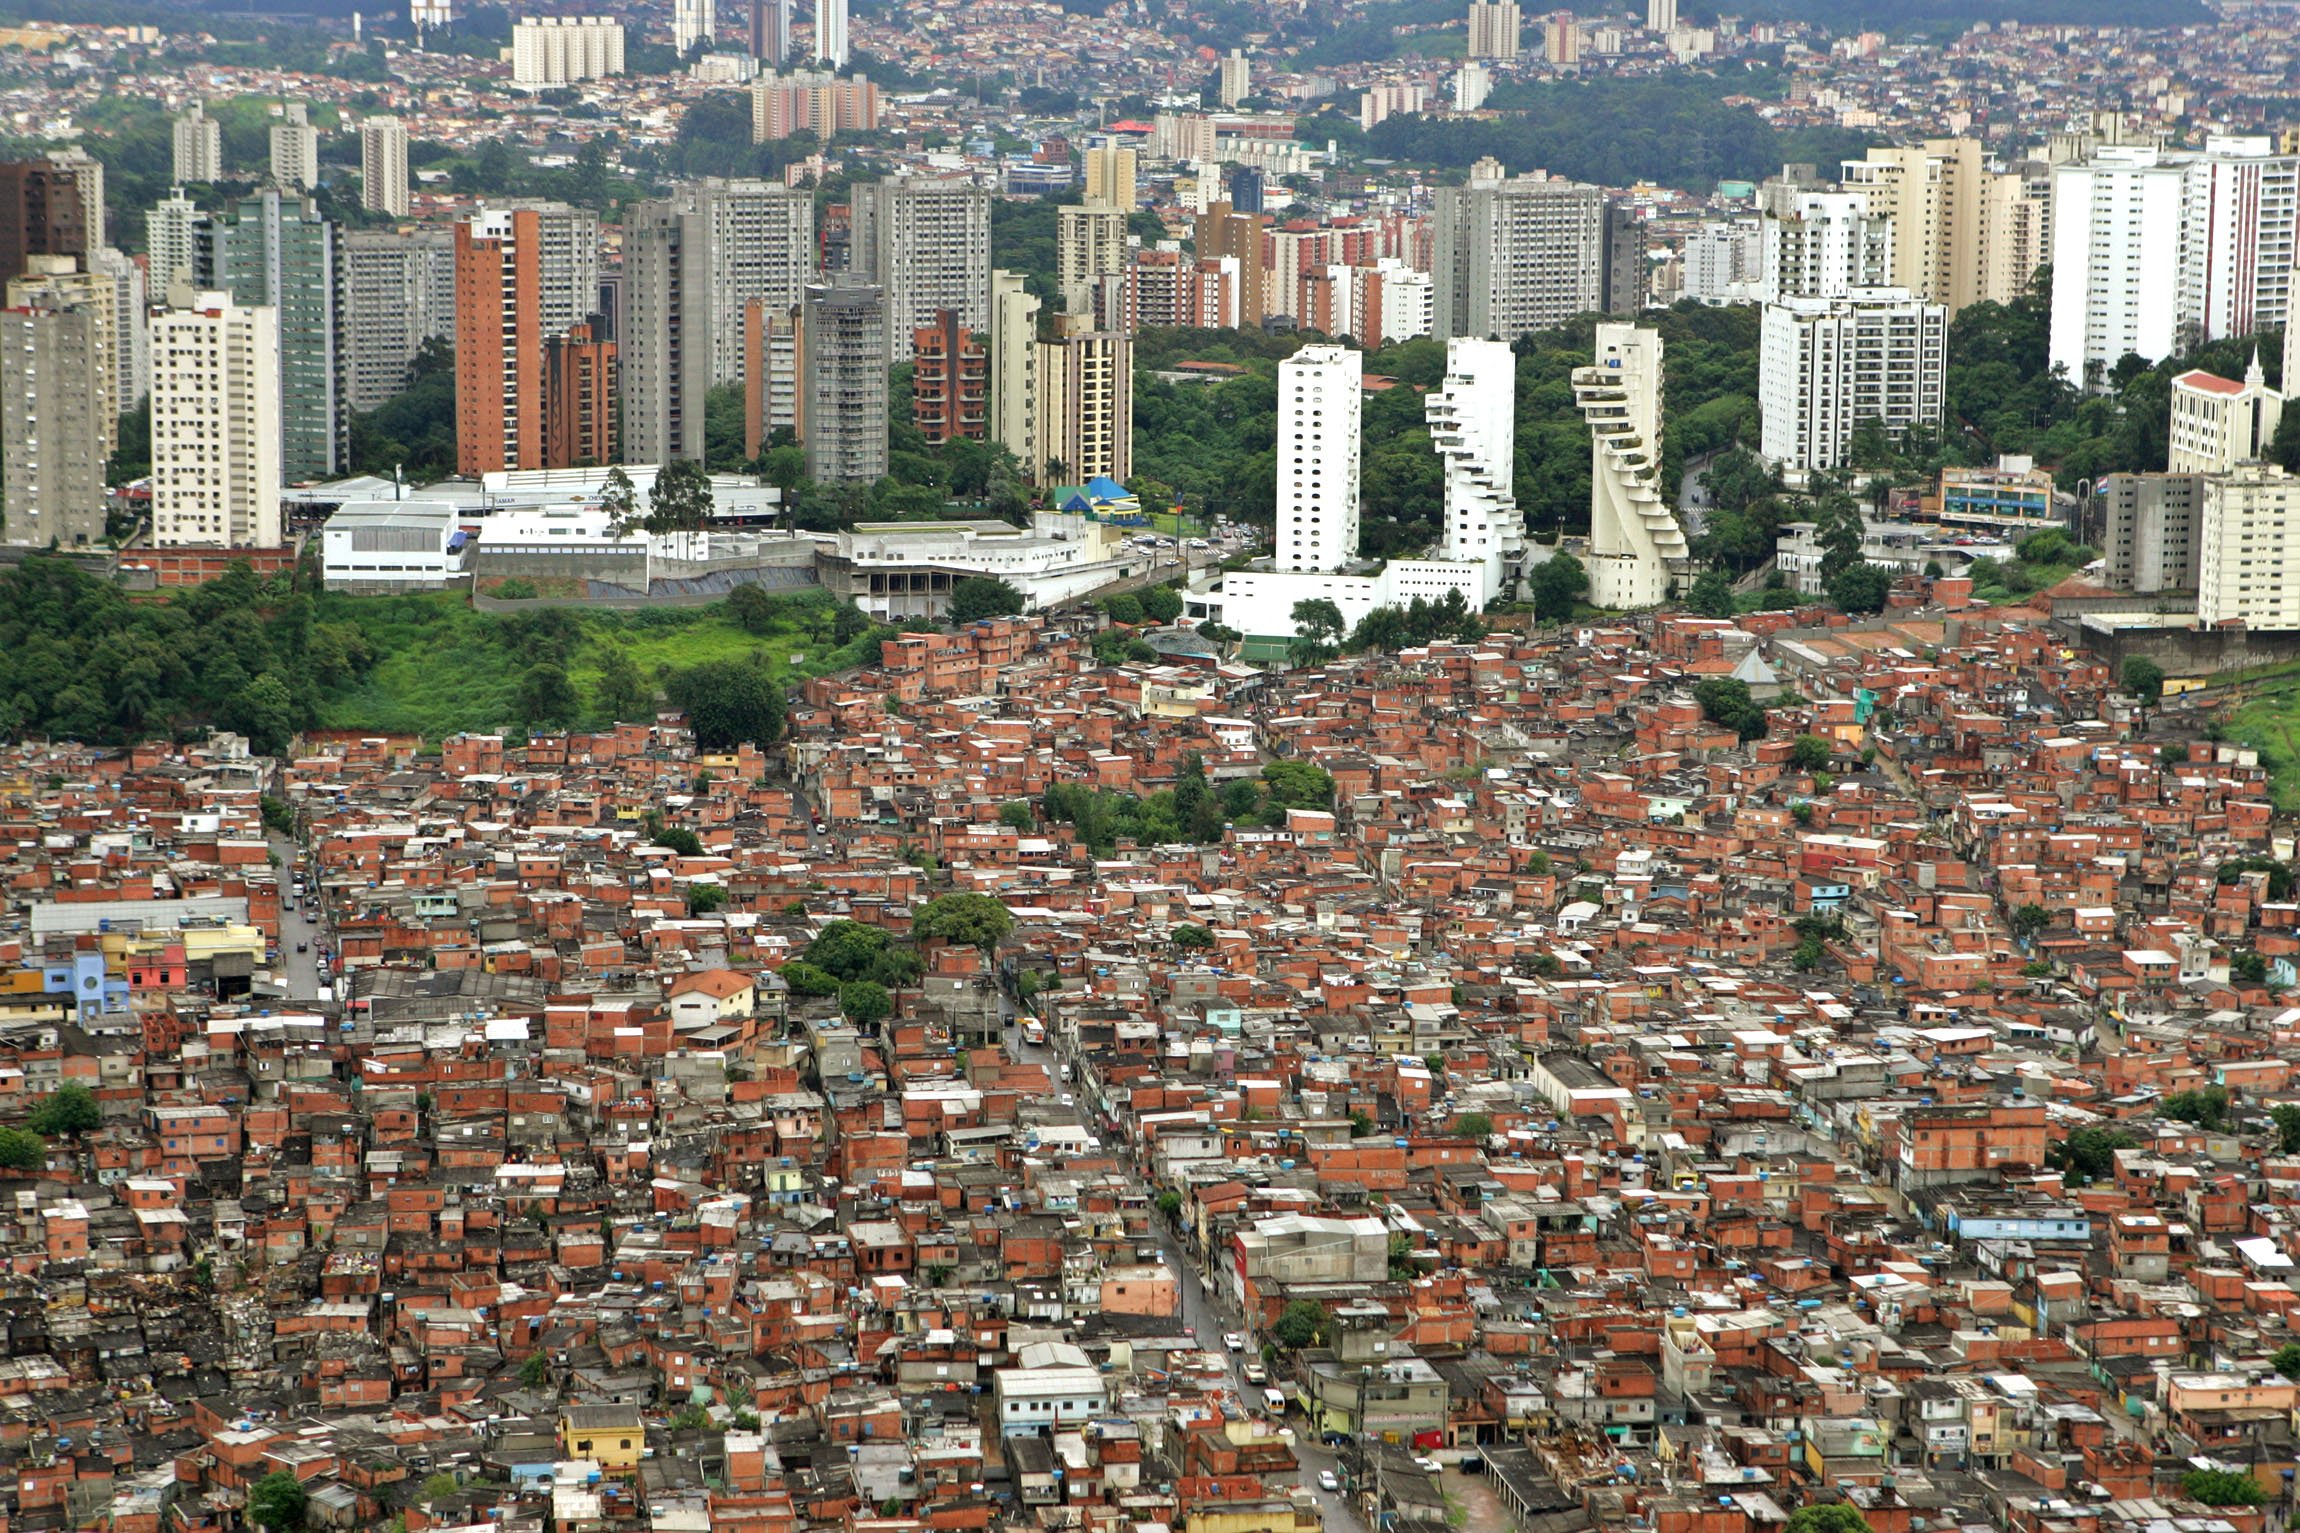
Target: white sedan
[(1326, 1480), (1234, 1341)]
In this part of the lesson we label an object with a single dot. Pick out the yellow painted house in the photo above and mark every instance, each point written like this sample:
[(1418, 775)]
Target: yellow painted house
[(611, 1436)]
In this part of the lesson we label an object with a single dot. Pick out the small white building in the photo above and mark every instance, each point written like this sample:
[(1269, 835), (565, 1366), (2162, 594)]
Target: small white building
[(378, 547), (1053, 1385)]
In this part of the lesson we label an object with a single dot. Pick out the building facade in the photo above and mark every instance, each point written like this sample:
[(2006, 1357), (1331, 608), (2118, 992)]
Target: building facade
[(1512, 257), (41, 214), (843, 357), (1637, 550), (499, 339), (925, 240), (1829, 367), (275, 251), (57, 371), (1014, 372), (1320, 406), (2248, 549), (2151, 538), (216, 425), (579, 401), (383, 166), (199, 146), (1086, 401), (398, 292), (1090, 240), (560, 50), (2217, 423), (950, 381), (171, 242), (295, 149)]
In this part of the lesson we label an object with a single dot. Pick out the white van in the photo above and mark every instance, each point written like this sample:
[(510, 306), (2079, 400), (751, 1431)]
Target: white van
[(1274, 1400)]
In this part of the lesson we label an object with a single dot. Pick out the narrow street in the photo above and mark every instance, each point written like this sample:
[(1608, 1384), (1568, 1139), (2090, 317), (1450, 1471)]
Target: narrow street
[(297, 972)]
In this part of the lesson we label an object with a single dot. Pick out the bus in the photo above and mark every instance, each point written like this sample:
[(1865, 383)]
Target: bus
[(1034, 1033)]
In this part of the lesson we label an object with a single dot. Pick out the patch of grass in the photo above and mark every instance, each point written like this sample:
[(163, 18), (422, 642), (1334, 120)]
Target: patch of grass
[(2270, 724), (441, 667)]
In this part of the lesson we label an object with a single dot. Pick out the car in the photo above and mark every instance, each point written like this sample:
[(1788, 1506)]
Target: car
[(303, 947), (1335, 1439), (1256, 1374), (1327, 1481), (1471, 1464), (1234, 1341), (1428, 1465)]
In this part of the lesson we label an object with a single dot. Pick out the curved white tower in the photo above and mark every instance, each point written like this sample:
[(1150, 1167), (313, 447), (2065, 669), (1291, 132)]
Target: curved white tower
[(1637, 550), (1473, 424)]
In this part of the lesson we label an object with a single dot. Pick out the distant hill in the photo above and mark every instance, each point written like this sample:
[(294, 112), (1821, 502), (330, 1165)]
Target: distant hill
[(1955, 15)]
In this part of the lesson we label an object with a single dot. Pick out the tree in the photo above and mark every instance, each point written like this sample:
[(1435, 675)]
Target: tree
[(973, 920), (70, 1111), (1711, 594), (1810, 753), (619, 498), (1318, 630), (623, 695), (702, 899), (1193, 937), (1833, 1518), (1016, 816), (2223, 1487), (546, 697), (2029, 920), (1170, 1203), (1859, 588), (980, 596), (1300, 1324), (2287, 1121), (1726, 700), (1402, 1267), (2206, 1107), (753, 610), (2286, 1360), (1298, 785), (2144, 679), (1559, 582), (865, 1004), (277, 1502), (1473, 1125), (20, 1151), (805, 979), (679, 504), (1125, 607), (2249, 967), (728, 703), (1807, 956), (2089, 1154), (1161, 604), (848, 949), (535, 1371)]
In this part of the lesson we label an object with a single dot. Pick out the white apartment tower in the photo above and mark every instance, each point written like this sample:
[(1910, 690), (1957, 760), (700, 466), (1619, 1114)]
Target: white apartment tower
[(2218, 423), (1661, 16), (295, 149), (1320, 401), (1637, 551), (1473, 425), (831, 33), (1090, 241), (1829, 366), (2240, 203), (692, 22), (1494, 29), (215, 424), (57, 371), (926, 241), (2248, 549), (1014, 376), (199, 153), (131, 326), (171, 240), (383, 166), (560, 50), (1821, 244), (1234, 82)]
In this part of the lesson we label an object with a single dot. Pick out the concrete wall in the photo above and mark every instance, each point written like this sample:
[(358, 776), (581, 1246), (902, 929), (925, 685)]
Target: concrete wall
[(2189, 651)]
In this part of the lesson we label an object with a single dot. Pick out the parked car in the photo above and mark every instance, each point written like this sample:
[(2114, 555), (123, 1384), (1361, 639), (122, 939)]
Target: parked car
[(1234, 1341), (1327, 1482), (1256, 1374)]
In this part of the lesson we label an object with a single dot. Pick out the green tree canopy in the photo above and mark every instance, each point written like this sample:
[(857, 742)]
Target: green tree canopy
[(981, 596), (1836, 1517), (1559, 582), (729, 703), (1711, 594), (21, 1151), (2223, 1487), (70, 1111), (1301, 1323), (865, 1004), (974, 920), (277, 1503)]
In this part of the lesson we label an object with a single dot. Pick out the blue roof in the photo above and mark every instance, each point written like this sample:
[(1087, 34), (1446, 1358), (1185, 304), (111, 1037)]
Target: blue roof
[(1102, 488)]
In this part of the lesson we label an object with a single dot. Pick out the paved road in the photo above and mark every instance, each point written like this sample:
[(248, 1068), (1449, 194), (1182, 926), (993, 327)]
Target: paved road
[(1209, 1314), (298, 971)]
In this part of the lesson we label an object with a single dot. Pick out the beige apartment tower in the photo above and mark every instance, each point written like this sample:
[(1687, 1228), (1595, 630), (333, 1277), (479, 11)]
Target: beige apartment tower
[(295, 149), (1014, 372), (1086, 401), (215, 424), (383, 166), (57, 360), (1494, 29)]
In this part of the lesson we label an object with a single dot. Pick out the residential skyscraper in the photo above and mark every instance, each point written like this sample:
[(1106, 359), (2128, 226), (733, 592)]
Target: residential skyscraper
[(1227, 232), (171, 241), (566, 262), (2248, 549), (1561, 39), (578, 400), (57, 372), (295, 149), (1086, 401), (831, 32), (843, 359), (1637, 550), (949, 382), (2151, 529), (277, 252), (692, 263), (215, 424), (498, 342), (87, 173), (1014, 372), (398, 292), (199, 144), (773, 374), (2218, 423), (1515, 256), (1660, 15), (1320, 405), (1108, 166), (925, 240), (560, 50), (1234, 78), (383, 166), (1819, 243), (1473, 425), (770, 32), (40, 214), (1828, 367), (692, 22), (131, 326), (1495, 27), (1090, 240)]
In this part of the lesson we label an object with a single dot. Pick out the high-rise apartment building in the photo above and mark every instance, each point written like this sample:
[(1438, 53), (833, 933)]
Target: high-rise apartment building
[(2239, 218), (131, 326), (924, 240), (1515, 256), (295, 149), (813, 101), (950, 382), (1724, 260), (1637, 550), (1561, 39), (560, 50), (1472, 420), (567, 271), (843, 349), (1223, 232), (692, 22), (1819, 243), (769, 34), (1086, 401), (1233, 79), (1660, 15), (40, 214), (692, 264), (1320, 405), (275, 251), (2149, 544), (1090, 240), (1828, 367), (171, 241), (1165, 288), (58, 359), (2217, 423), (773, 376), (199, 147), (383, 166), (398, 292), (1108, 168), (498, 342), (1472, 83), (2248, 549), (831, 33), (215, 424), (578, 400), (1014, 372), (1494, 29), (87, 173)]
